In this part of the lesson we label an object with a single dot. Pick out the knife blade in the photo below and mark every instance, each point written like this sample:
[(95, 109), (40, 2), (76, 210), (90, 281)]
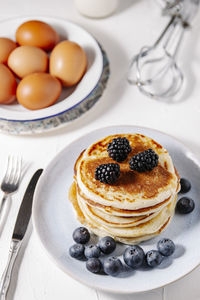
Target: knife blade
[(20, 228), (25, 208)]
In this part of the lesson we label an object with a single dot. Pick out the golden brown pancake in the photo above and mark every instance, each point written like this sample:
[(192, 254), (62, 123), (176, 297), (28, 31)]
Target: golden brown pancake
[(95, 228), (137, 206), (123, 212), (130, 182), (133, 190)]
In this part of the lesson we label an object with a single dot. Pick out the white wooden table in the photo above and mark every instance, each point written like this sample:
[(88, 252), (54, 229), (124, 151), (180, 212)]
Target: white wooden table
[(136, 23)]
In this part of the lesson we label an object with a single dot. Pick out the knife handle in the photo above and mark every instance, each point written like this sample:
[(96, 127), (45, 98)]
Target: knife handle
[(5, 279)]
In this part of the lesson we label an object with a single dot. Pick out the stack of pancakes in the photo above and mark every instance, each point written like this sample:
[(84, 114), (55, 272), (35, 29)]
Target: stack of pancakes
[(138, 206)]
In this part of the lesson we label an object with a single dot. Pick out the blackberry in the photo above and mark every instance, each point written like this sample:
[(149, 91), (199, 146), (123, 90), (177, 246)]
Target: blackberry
[(144, 161), (107, 173), (119, 149)]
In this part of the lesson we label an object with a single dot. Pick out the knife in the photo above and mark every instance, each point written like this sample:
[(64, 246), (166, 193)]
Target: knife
[(21, 225)]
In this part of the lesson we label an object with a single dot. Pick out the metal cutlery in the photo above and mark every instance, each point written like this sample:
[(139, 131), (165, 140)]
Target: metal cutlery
[(20, 228), (10, 182)]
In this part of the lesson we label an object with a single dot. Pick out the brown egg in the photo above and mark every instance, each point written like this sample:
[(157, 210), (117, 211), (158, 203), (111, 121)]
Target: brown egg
[(8, 85), (25, 60), (38, 34), (68, 63), (38, 90), (6, 47)]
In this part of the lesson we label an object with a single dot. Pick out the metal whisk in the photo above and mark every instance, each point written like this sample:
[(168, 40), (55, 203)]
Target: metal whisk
[(154, 69)]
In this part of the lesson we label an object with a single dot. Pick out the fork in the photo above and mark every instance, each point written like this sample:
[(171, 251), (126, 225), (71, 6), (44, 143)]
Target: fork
[(10, 182)]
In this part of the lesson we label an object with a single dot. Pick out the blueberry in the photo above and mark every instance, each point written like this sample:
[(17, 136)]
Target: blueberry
[(93, 265), (81, 235), (134, 256), (185, 185), (107, 244), (185, 205), (92, 251), (166, 247), (112, 266), (153, 258), (77, 251)]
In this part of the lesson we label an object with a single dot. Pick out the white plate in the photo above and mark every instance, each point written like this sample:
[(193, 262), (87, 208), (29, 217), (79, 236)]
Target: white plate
[(54, 218), (89, 81)]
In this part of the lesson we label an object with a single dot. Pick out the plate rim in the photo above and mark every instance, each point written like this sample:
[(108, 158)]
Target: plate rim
[(82, 100), (51, 256)]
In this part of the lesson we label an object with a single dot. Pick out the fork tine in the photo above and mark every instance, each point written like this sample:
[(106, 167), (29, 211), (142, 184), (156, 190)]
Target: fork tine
[(10, 182), (8, 169), (18, 170), (13, 169)]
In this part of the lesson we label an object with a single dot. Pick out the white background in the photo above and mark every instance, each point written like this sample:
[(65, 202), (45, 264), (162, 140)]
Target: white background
[(136, 23)]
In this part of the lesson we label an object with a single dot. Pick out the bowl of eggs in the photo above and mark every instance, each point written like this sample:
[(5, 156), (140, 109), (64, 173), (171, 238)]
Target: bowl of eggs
[(51, 71)]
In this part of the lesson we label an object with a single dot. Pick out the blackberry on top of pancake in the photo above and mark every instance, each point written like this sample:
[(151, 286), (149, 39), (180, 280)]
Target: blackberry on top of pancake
[(119, 149)]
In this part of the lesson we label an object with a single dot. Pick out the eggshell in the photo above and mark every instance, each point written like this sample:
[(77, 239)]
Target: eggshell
[(6, 47), (8, 85), (68, 62), (37, 33), (25, 60), (38, 90)]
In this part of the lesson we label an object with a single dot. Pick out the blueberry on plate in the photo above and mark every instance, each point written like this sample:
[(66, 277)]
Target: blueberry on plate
[(93, 265), (166, 247), (92, 251), (81, 235), (185, 205), (112, 266), (77, 251), (185, 185), (107, 244), (134, 256), (153, 258)]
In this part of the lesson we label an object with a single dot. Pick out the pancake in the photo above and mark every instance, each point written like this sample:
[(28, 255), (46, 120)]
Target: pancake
[(122, 212), (133, 190), (98, 230), (115, 221), (135, 240), (112, 221), (149, 227), (138, 206)]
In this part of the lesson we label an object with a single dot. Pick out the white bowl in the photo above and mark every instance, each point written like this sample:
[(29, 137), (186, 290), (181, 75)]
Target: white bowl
[(72, 32)]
